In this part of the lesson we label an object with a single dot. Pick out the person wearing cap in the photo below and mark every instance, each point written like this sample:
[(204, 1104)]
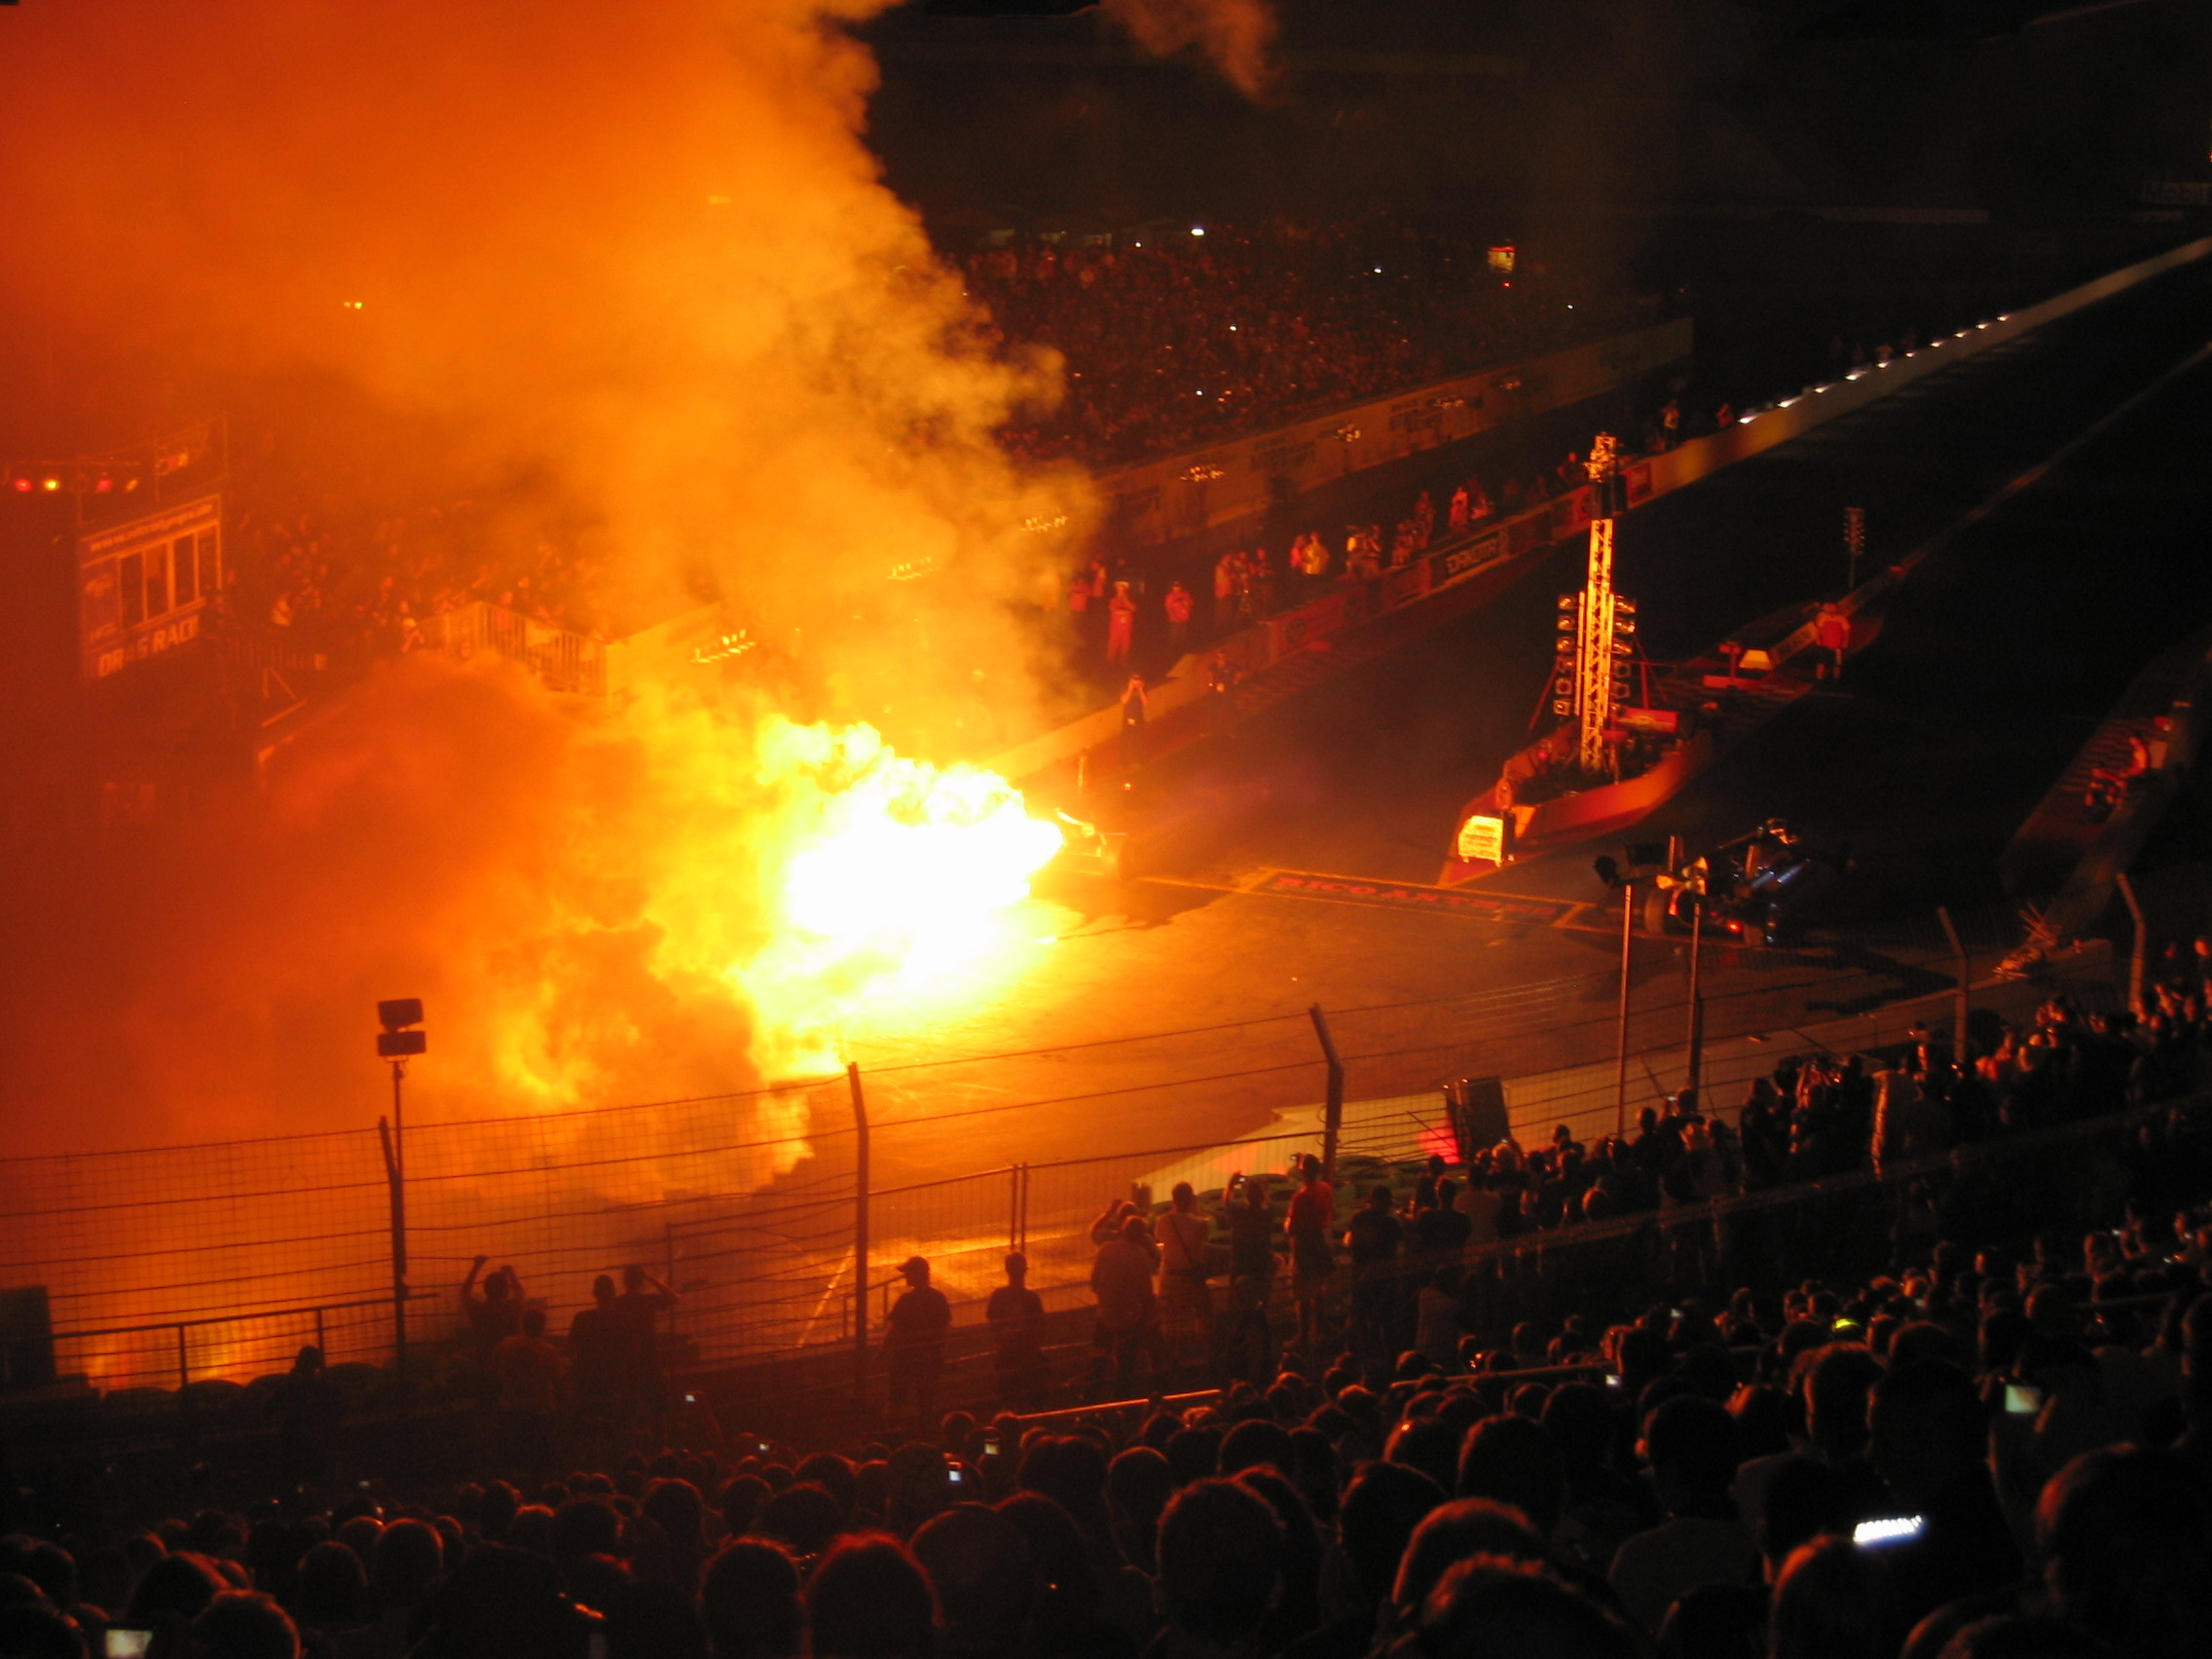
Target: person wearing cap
[(913, 1343)]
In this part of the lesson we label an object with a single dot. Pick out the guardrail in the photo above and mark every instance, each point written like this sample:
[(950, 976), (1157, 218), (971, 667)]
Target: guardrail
[(266, 1340), (564, 659)]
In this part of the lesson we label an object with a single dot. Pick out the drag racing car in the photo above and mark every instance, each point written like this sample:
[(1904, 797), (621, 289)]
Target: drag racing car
[(1754, 888)]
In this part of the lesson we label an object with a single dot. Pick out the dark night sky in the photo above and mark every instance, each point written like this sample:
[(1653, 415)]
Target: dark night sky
[(1424, 107)]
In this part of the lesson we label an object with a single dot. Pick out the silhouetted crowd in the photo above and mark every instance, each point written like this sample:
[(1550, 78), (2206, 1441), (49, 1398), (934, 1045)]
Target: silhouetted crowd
[(1178, 339), (1980, 1452), (364, 589), (1975, 1456), (1827, 1115)]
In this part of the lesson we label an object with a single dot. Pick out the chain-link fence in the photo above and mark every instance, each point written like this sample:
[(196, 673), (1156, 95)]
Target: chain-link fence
[(184, 1264)]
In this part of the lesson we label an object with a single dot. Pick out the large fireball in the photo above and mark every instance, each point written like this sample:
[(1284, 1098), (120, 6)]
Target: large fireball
[(910, 858), (895, 874)]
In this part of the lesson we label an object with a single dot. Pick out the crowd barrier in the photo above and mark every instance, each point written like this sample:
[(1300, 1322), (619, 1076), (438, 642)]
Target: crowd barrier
[(563, 658)]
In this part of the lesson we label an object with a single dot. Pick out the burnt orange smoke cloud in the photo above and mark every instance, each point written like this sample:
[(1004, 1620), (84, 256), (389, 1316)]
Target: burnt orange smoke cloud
[(643, 250), (642, 245)]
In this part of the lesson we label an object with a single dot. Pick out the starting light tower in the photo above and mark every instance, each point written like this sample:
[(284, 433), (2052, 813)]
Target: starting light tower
[(1594, 668)]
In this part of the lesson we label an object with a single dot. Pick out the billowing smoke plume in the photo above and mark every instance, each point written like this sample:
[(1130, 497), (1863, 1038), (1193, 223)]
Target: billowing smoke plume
[(643, 252), (1237, 35)]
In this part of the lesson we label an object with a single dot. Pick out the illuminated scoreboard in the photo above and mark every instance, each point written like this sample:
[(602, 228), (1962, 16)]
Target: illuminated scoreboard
[(143, 586)]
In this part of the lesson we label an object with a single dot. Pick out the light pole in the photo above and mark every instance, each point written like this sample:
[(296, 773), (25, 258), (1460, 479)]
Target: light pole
[(1643, 865), (1696, 999), (1621, 1046), (401, 1019)]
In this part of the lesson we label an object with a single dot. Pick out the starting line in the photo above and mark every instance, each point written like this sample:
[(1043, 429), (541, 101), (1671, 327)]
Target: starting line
[(1501, 909)]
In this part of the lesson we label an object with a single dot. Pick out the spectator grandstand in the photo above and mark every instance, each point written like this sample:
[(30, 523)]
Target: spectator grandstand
[(1175, 339)]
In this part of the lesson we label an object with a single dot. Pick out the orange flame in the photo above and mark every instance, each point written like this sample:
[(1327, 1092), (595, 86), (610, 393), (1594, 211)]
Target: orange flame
[(895, 871)]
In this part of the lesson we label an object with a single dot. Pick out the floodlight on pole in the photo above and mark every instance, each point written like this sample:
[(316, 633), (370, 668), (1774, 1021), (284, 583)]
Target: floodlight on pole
[(401, 1019)]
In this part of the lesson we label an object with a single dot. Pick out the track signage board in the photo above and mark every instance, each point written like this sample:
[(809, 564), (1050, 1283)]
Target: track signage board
[(143, 585)]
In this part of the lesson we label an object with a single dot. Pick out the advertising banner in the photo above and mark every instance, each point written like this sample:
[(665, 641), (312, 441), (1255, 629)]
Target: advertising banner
[(143, 584)]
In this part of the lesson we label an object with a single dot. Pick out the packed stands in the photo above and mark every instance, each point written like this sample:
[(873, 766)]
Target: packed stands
[(1177, 339)]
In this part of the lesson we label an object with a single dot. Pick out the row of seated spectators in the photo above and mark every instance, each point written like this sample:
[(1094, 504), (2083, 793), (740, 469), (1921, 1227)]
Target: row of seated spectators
[(1951, 1461), (1175, 341)]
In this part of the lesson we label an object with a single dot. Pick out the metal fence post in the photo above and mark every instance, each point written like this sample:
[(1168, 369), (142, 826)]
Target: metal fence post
[(1333, 1119), (1012, 1208), (396, 1179), (860, 1228), (183, 1369), (1959, 968)]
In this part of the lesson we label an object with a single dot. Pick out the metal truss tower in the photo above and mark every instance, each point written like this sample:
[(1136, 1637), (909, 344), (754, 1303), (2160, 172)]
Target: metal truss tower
[(1600, 654)]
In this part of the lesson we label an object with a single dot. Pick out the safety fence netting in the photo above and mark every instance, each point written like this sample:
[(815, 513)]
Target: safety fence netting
[(182, 1265)]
